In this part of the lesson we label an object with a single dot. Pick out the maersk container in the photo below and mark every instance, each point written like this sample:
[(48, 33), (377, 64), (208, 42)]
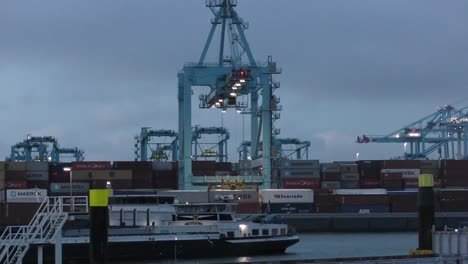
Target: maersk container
[(26, 195), (364, 209), (287, 196), (237, 196)]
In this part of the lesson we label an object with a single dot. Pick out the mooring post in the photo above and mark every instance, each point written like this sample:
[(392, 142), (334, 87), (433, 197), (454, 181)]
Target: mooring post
[(425, 211), (99, 220)]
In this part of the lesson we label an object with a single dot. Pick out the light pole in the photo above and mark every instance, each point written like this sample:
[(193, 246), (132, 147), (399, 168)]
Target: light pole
[(72, 204)]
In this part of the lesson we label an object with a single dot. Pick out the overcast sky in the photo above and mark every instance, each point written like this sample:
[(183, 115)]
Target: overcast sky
[(91, 73)]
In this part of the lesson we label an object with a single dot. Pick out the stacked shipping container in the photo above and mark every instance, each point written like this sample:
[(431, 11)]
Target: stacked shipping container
[(300, 174)]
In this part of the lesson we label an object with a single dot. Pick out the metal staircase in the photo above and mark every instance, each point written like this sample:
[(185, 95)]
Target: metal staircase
[(44, 227)]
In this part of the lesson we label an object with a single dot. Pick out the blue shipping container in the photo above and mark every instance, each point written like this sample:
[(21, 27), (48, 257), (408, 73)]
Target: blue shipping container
[(364, 209)]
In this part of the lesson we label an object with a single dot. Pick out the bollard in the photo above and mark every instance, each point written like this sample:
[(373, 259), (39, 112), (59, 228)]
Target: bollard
[(99, 221)]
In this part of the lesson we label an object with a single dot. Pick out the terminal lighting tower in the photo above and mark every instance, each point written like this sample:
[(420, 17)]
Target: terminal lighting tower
[(228, 78)]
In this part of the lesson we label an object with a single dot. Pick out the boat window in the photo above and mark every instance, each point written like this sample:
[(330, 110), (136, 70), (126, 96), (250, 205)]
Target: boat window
[(274, 232), (283, 231), (265, 232), (254, 232), (230, 234)]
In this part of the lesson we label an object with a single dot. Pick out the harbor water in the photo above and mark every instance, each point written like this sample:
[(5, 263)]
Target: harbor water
[(327, 245)]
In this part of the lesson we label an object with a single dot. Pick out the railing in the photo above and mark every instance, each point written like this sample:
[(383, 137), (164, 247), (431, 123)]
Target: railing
[(43, 227)]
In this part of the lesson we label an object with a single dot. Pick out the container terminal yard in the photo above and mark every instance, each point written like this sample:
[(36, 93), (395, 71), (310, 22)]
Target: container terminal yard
[(273, 175)]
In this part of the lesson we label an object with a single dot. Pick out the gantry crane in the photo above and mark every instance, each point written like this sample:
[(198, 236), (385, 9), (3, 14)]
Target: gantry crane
[(210, 150), (23, 151), (435, 132), (284, 148), (228, 78), (159, 150)]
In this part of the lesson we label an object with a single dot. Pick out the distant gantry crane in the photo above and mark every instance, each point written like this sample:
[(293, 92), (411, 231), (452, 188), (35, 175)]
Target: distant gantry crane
[(228, 78), (159, 150), (210, 150), (437, 132), (289, 148), (166, 146), (45, 148)]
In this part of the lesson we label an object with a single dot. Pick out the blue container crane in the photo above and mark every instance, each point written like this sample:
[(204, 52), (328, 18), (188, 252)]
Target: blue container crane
[(282, 148), (159, 151), (228, 78), (23, 151), (435, 132), (208, 149)]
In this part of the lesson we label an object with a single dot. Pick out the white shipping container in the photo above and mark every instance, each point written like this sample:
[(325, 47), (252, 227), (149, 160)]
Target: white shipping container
[(238, 196), (406, 173), (360, 191), (287, 195), (26, 195)]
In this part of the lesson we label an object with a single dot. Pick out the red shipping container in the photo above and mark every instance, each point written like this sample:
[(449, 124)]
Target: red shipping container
[(143, 183), (16, 184), (456, 182), (248, 208), (301, 183), (91, 165), (455, 173), (403, 203), (38, 184), (455, 164), (401, 164), (370, 183), (325, 199), (59, 176), (375, 199), (133, 165), (370, 174), (410, 183), (327, 209), (15, 175)]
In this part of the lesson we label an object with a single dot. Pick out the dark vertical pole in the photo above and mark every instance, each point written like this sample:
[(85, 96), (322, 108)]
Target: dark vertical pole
[(99, 220), (425, 211)]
